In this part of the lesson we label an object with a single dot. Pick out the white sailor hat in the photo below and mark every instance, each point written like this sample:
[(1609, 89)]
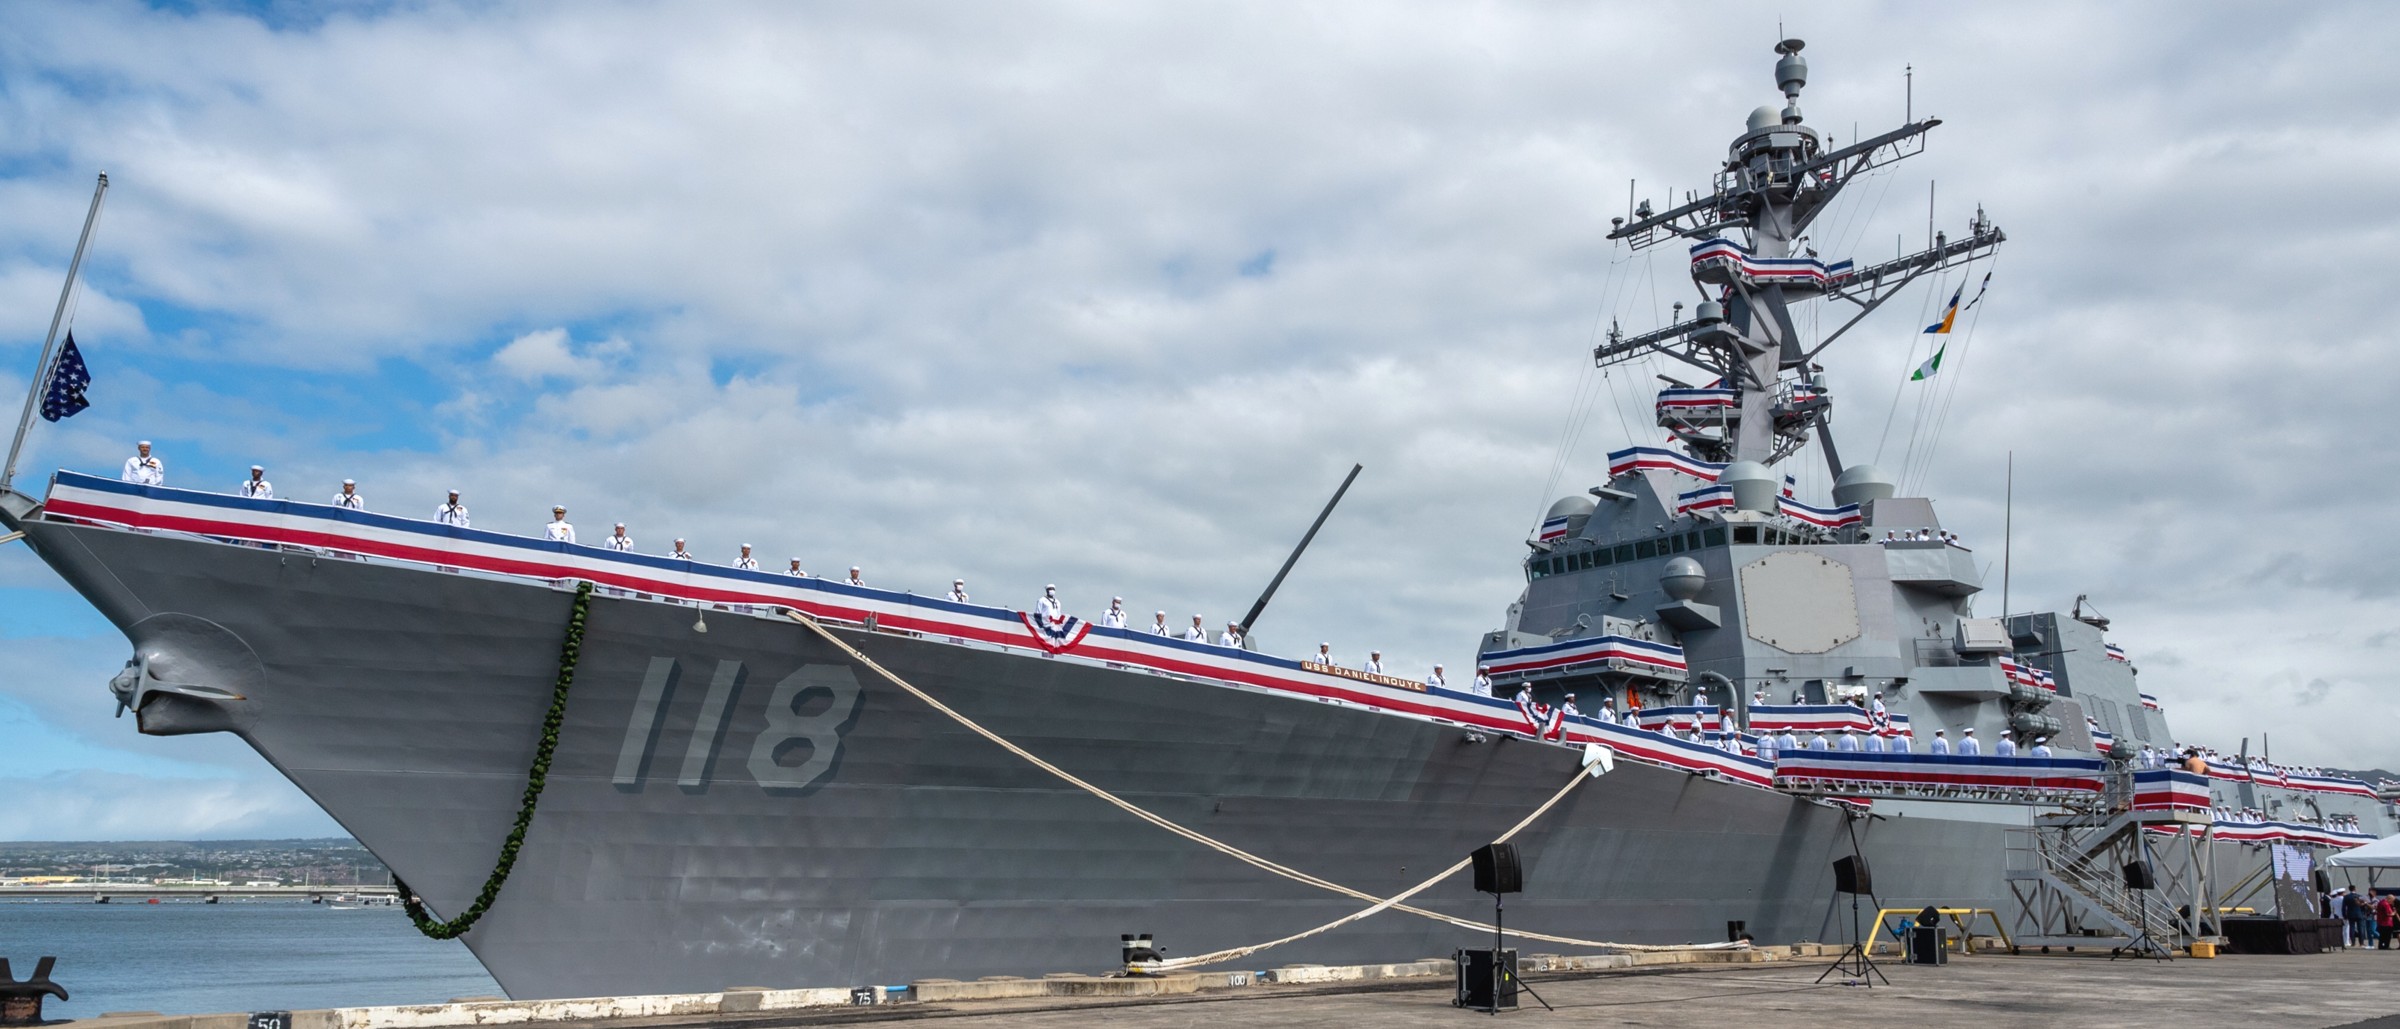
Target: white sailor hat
[(258, 467), (1162, 614), (620, 525), (454, 493), (1970, 731), (558, 507), (1116, 600), (1325, 646), (143, 443), (745, 546), (678, 539), (958, 582), (2041, 739), (349, 482), (1049, 587), (1937, 732)]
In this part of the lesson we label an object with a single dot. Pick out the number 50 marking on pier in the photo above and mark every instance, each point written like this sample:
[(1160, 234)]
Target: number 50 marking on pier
[(787, 728)]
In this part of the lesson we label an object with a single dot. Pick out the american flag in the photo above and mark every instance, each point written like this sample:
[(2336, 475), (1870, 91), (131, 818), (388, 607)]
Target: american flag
[(68, 377)]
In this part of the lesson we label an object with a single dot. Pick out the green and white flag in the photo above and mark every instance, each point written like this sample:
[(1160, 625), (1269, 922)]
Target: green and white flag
[(1932, 364)]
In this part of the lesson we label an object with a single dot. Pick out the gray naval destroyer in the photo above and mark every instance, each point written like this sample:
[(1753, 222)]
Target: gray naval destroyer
[(734, 799)]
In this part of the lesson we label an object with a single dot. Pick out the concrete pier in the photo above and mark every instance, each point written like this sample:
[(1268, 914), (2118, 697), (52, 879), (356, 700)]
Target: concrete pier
[(1765, 987)]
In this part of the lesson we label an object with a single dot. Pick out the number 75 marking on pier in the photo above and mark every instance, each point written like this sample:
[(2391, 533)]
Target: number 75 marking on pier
[(788, 731)]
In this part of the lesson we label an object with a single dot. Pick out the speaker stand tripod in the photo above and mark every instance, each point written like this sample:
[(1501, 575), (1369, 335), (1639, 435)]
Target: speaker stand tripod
[(2143, 945), (1853, 963), (1502, 968)]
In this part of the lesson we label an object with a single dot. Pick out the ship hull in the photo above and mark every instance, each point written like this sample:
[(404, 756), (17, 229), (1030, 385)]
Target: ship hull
[(691, 838)]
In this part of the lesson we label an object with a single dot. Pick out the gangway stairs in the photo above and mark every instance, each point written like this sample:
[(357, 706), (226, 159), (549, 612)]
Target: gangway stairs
[(2067, 872)]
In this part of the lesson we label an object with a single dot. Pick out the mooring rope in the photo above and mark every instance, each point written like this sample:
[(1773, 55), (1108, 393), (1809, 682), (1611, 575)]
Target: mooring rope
[(535, 778), (1379, 903)]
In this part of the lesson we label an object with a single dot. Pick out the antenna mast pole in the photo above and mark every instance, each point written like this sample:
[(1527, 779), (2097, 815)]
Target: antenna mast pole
[(2008, 526), (41, 371)]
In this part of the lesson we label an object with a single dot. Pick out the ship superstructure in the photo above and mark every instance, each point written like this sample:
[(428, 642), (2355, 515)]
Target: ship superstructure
[(736, 798)]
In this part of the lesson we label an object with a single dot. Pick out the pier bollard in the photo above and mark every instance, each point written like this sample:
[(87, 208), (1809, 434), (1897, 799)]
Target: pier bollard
[(1140, 954), (21, 1002)]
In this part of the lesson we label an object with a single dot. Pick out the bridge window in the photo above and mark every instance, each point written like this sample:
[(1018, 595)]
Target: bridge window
[(1745, 534), (1715, 535), (1624, 552)]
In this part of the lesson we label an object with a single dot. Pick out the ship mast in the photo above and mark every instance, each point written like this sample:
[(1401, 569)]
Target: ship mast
[(1751, 231)]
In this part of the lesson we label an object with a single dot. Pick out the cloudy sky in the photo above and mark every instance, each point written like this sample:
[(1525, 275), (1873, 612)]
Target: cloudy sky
[(1110, 295)]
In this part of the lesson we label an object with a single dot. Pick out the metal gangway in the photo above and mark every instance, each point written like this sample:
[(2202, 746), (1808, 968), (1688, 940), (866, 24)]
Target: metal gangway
[(2069, 872)]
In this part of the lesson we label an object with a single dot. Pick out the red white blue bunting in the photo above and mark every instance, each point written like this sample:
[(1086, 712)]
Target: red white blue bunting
[(1722, 260)]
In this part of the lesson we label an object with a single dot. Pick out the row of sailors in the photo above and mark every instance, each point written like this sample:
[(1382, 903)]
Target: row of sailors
[(1920, 536), (1897, 743), (2338, 823)]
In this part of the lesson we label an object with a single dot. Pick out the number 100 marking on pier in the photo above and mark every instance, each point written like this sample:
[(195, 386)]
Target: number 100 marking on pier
[(787, 729)]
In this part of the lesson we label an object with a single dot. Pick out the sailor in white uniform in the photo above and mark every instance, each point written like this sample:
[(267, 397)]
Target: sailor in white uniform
[(795, 570), (618, 541), (1872, 744), (348, 498), (1374, 665), (1047, 608), (1198, 633), (1115, 618), (1567, 708), (256, 487), (1232, 636), (1759, 699), (1849, 741), (1324, 654), (142, 469), (1967, 746), (1939, 745), (558, 529), (746, 562), (1436, 680), (2041, 746), (1876, 709), (2006, 747), (1608, 710), (855, 578), (1816, 741), (679, 553), (1158, 625), (451, 512), (1787, 742), (958, 591), (1766, 746), (1483, 681)]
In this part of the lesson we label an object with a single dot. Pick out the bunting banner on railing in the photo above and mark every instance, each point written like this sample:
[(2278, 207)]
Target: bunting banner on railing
[(1660, 459), (1694, 402), (1722, 260), (1821, 517), (1818, 770), (1616, 653), (2166, 789)]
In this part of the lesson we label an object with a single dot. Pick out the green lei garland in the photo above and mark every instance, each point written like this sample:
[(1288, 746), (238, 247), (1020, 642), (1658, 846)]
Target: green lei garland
[(534, 779)]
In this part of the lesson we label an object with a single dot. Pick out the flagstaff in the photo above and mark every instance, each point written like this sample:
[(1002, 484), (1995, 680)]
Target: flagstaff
[(41, 368)]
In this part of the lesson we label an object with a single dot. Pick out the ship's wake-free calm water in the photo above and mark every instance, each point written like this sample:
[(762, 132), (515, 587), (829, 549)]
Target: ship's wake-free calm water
[(270, 955)]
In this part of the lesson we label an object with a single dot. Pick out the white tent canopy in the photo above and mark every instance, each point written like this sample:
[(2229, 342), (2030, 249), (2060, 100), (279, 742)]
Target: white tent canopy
[(2383, 853)]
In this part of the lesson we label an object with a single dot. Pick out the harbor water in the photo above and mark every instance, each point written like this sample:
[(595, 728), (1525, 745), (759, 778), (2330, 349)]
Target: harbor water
[(185, 957)]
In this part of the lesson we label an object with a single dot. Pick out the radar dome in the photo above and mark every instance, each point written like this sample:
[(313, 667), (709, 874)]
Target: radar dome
[(1754, 487), (1683, 578), (1861, 483), (1575, 509), (1765, 118)]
